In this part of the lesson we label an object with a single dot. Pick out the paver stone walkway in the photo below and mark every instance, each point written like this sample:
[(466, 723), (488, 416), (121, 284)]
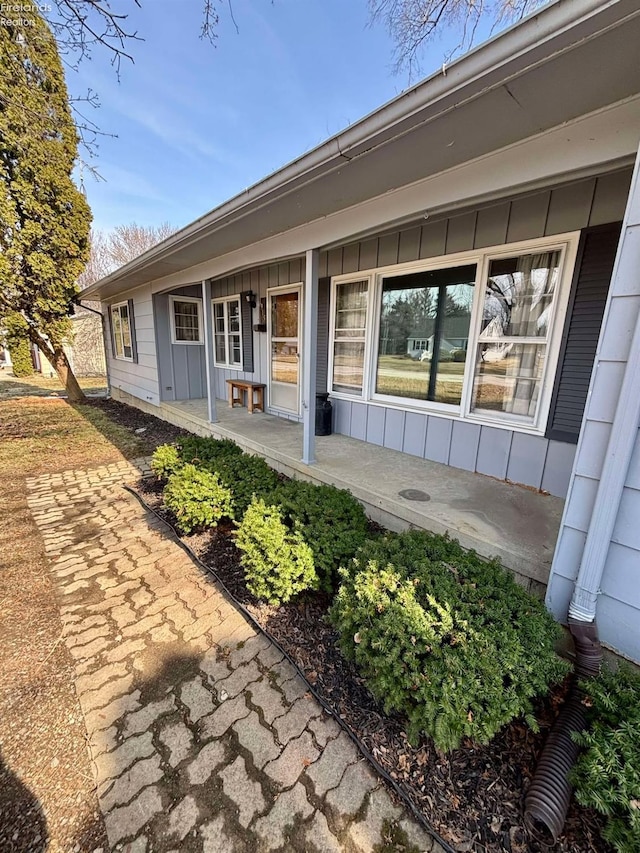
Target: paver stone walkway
[(202, 737)]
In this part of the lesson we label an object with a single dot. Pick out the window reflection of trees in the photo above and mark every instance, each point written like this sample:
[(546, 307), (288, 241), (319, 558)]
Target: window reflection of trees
[(424, 318)]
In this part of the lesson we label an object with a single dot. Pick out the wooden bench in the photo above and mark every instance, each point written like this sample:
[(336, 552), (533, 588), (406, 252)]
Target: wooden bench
[(255, 394)]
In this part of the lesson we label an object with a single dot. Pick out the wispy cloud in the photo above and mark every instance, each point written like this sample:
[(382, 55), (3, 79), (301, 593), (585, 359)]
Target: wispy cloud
[(125, 182)]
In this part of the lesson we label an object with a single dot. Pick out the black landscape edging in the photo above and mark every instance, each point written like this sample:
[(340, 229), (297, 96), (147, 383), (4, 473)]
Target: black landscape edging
[(396, 787)]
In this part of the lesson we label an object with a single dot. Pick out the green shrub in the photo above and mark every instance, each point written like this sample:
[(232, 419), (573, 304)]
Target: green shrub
[(331, 521), (247, 476), (243, 474), (207, 451), (444, 355), (197, 498), (277, 562), (20, 351), (444, 637), (165, 461), (458, 355), (607, 775)]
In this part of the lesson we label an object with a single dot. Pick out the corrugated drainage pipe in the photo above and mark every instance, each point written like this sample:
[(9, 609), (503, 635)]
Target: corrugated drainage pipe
[(547, 800)]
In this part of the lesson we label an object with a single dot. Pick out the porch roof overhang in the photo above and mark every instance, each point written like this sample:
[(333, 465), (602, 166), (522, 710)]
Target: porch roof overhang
[(572, 59)]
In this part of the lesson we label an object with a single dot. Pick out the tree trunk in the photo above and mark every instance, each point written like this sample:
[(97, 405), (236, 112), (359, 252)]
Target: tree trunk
[(60, 363)]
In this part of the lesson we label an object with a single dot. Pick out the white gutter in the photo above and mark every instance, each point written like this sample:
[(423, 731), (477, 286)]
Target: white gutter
[(532, 32), (624, 430)]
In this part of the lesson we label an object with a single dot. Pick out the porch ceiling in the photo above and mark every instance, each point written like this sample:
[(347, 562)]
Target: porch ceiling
[(494, 518), (524, 82)]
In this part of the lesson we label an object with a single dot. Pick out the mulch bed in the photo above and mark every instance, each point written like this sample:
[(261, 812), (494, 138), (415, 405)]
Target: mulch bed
[(473, 796), (156, 431)]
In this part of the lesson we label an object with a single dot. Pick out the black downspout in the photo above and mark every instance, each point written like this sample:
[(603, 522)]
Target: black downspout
[(547, 800)]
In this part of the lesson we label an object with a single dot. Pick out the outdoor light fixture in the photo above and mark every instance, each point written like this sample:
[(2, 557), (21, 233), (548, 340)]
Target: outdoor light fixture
[(251, 298)]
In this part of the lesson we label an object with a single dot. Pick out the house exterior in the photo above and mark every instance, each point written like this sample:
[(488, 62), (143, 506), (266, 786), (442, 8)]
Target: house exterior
[(480, 218)]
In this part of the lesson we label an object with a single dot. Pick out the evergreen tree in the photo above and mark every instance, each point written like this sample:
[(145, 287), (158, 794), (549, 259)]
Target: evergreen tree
[(44, 219)]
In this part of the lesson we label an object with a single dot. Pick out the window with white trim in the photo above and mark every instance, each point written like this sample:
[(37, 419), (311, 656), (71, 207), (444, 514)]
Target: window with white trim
[(349, 336), (186, 320), (474, 335), (227, 333), (512, 349), (121, 329)]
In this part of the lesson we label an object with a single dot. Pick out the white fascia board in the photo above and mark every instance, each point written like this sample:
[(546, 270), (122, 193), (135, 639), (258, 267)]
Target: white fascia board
[(605, 139)]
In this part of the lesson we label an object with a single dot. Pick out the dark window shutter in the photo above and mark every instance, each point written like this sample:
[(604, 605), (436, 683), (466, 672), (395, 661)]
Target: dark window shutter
[(132, 326), (322, 363), (110, 320), (246, 312), (594, 266)]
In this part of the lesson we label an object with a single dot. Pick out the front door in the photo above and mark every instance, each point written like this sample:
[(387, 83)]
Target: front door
[(284, 335)]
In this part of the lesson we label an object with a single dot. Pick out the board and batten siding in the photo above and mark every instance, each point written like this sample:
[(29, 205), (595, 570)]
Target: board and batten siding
[(618, 606), (182, 367), (258, 281), (139, 379), (537, 461)]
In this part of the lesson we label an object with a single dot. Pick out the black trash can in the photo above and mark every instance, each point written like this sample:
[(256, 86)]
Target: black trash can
[(324, 411)]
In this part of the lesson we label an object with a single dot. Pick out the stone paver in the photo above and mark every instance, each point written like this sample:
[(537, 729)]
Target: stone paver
[(328, 770), (296, 720), (183, 818), (345, 801), (380, 810), (215, 838), (242, 790), (207, 761), (289, 805), (197, 698), (178, 739), (256, 739), (202, 736), (298, 754)]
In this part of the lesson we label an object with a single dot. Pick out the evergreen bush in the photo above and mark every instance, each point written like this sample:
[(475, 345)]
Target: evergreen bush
[(248, 477), (607, 775), (165, 461), (277, 561), (331, 521), (20, 351), (197, 498), (444, 637), (207, 451), (243, 474)]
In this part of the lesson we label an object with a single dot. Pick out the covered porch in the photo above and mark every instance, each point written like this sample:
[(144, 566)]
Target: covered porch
[(517, 524)]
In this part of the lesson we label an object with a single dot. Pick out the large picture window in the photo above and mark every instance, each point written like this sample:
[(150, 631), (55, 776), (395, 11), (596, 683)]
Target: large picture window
[(475, 335), (423, 334), (186, 320), (122, 333), (227, 333)]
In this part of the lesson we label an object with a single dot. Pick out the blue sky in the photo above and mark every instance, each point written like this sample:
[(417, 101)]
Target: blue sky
[(197, 124)]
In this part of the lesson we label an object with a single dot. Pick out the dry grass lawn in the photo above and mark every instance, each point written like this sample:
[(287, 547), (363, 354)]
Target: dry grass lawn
[(42, 386), (43, 759)]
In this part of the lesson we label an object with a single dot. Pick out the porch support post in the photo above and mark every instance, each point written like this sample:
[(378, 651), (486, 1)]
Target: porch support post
[(207, 317), (309, 357)]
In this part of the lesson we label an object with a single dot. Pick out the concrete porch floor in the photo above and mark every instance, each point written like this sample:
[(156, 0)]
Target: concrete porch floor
[(494, 518)]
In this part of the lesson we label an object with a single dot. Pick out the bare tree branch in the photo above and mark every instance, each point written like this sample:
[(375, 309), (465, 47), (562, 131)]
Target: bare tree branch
[(413, 23), (210, 21), (113, 249), (81, 25)]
